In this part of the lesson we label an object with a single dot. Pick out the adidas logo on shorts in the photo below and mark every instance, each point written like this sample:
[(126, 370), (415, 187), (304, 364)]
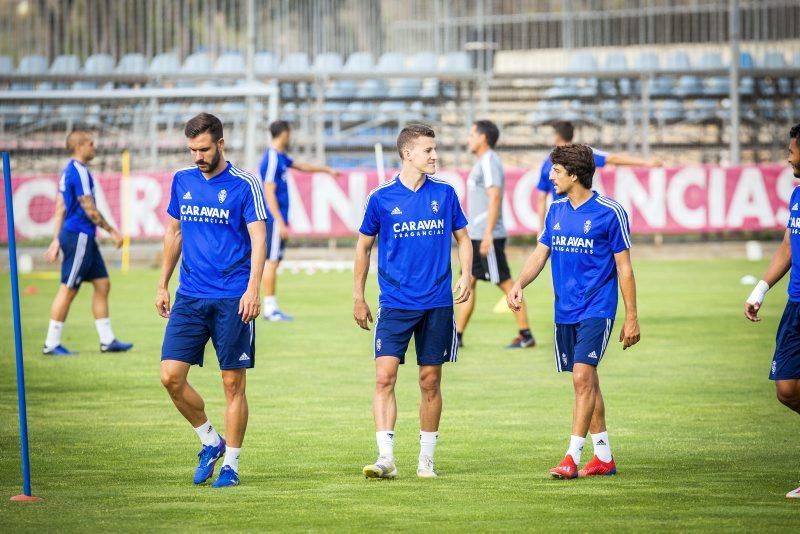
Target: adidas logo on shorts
[(244, 357), (187, 196), (593, 355), (397, 211)]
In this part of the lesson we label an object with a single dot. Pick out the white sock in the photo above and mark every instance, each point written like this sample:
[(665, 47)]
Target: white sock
[(602, 447), (427, 443), (576, 448), (385, 439), (232, 458), (53, 334), (207, 434), (104, 330), (269, 305)]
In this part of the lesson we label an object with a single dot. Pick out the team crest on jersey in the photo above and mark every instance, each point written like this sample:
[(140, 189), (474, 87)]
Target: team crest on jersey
[(587, 226), (435, 206), (222, 195)]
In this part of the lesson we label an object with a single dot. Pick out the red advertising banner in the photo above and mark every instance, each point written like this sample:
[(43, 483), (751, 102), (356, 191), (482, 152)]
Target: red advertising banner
[(667, 200)]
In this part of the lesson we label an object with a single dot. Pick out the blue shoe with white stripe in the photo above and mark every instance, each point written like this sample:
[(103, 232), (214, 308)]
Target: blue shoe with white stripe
[(227, 477), (116, 346), (58, 350), (208, 456)]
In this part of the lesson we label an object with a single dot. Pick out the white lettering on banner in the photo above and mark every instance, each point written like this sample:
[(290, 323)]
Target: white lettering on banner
[(691, 218), (716, 198), (298, 216), (523, 198), (327, 196), (648, 201), (784, 187), (23, 198), (750, 200), (146, 195)]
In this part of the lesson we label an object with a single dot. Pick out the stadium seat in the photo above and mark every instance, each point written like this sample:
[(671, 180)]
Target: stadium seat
[(670, 111), (32, 65), (455, 62), (687, 85), (197, 63), (65, 64), (131, 64), (358, 62), (264, 63), (545, 111), (230, 63), (6, 65), (611, 112), (99, 64), (746, 83), (167, 63), (327, 63), (783, 86), (657, 86), (391, 62), (703, 110), (413, 87), (714, 85), (296, 62), (615, 62)]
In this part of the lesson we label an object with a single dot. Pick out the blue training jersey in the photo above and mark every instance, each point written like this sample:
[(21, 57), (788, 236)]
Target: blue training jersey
[(214, 215), (582, 244), (76, 181), (547, 186), (794, 239), (273, 168), (414, 231)]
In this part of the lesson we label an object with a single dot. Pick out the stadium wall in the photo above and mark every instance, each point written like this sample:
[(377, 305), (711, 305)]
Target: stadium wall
[(692, 199)]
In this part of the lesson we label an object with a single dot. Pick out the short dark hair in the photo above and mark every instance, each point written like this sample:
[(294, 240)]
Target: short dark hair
[(565, 130), (578, 160), (204, 122), (75, 137), (489, 129), (410, 133), (794, 133), (278, 127)]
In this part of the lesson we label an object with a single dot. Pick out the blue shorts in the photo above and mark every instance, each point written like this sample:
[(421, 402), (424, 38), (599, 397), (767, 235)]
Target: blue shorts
[(583, 342), (275, 245), (434, 334), (786, 362), (82, 259), (192, 321)]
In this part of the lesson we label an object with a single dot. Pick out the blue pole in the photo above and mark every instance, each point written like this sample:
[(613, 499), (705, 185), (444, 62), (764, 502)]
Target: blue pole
[(12, 256)]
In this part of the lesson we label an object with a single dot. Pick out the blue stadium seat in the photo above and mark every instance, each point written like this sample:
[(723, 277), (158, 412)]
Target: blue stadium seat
[(783, 86), (658, 86), (230, 63), (198, 63), (689, 85), (746, 83), (413, 87), (359, 62), (99, 64), (615, 62), (131, 64), (296, 62), (328, 63), (6, 65), (391, 62), (715, 85), (65, 64), (703, 110), (32, 65), (611, 111), (456, 62), (670, 111), (264, 63)]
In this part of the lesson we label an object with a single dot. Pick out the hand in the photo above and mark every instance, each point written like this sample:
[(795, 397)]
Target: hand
[(51, 254), (463, 288), (162, 302), (361, 313), (283, 230), (751, 311), (116, 237), (249, 305), (486, 246), (629, 335), (514, 297)]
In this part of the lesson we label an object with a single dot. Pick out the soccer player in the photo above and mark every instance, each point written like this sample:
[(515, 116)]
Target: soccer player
[(76, 220), (564, 132), (486, 229), (274, 165), (217, 215), (412, 217), (785, 369), (587, 237)]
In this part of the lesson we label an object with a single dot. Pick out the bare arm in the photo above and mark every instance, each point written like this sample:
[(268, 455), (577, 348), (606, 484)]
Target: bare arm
[(492, 214), (274, 209), (58, 223), (541, 204), (173, 240), (311, 167), (463, 287), (249, 304), (533, 266), (629, 161), (361, 312), (90, 208), (778, 267), (629, 335)]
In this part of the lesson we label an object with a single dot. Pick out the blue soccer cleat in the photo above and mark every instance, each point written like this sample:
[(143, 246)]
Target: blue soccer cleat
[(116, 346), (227, 477), (278, 315), (208, 456), (58, 350)]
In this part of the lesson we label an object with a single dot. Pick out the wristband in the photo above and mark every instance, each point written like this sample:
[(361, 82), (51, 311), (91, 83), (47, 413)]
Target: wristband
[(757, 296)]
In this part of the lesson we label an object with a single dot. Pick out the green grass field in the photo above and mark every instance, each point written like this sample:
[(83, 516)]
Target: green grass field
[(699, 439)]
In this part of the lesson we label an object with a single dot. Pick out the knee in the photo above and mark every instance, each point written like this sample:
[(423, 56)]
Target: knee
[(788, 395), (172, 382), (103, 288), (583, 382), (385, 381), (429, 385), (233, 384)]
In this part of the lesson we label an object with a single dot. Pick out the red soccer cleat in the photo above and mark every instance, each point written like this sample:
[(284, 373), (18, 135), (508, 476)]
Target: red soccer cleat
[(565, 470), (596, 466)]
